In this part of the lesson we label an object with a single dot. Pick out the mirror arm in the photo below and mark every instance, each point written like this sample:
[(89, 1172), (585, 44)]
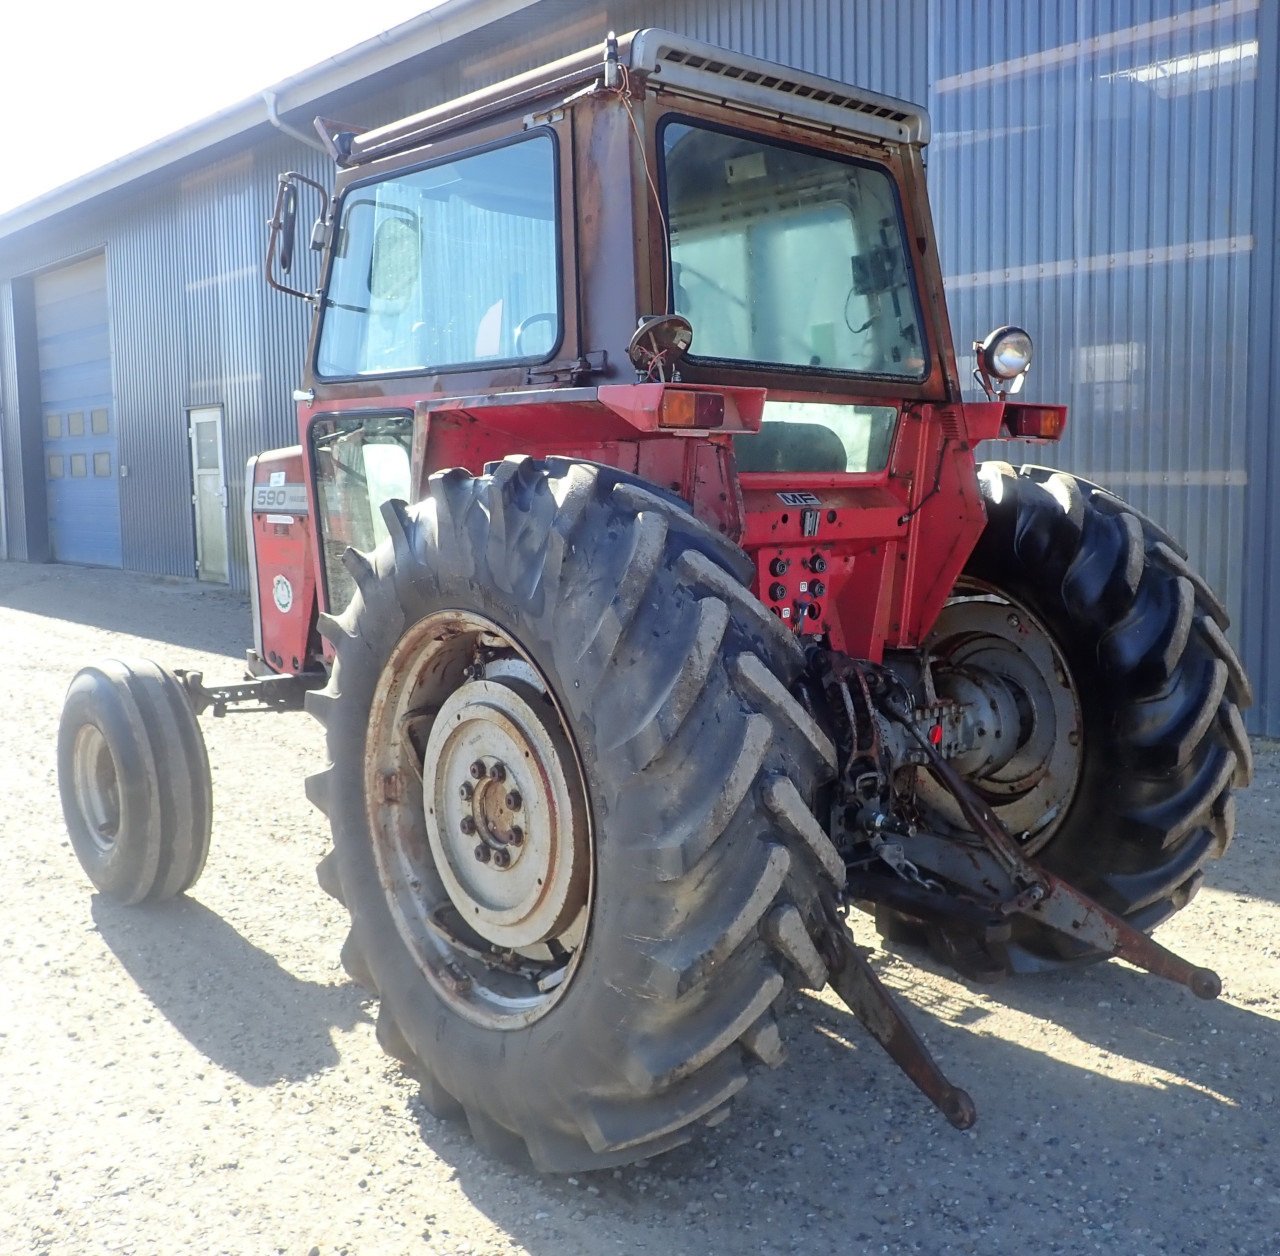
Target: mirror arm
[(288, 181)]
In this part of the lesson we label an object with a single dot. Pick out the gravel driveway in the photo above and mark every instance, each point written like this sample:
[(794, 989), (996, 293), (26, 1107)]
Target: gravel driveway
[(202, 1077)]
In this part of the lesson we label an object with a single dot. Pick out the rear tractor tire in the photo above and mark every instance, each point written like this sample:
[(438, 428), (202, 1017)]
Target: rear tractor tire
[(1137, 698), (134, 779), (570, 797)]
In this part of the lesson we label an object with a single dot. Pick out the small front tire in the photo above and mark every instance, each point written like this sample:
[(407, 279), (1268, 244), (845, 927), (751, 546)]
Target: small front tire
[(134, 779)]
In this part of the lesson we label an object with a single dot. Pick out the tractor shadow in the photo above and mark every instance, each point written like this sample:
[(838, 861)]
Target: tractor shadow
[(231, 1000), (1144, 1021), (209, 618), (838, 1150)]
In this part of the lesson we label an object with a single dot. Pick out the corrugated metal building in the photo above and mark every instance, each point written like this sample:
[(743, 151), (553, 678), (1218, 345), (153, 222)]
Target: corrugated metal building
[(1105, 175)]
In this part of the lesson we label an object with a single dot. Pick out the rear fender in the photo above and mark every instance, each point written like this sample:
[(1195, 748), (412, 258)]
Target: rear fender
[(283, 577)]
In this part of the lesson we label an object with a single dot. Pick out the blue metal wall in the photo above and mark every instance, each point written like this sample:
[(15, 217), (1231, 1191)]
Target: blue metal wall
[(1105, 174)]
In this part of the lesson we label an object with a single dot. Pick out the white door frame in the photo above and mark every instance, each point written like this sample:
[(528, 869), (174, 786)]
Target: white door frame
[(204, 414)]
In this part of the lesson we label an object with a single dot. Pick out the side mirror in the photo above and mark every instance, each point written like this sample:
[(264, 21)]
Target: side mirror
[(288, 224), (282, 229)]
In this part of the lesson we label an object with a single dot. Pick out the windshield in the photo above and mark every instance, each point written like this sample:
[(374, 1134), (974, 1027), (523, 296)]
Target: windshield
[(450, 265), (784, 256)]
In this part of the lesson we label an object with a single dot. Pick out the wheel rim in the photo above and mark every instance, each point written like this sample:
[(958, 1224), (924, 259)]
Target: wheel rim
[(97, 786), (984, 635), (477, 807)]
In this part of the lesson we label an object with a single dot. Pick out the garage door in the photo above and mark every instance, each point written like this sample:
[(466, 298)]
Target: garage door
[(81, 465)]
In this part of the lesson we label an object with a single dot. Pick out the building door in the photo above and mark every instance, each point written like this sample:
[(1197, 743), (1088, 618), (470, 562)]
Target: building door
[(210, 492), (81, 447)]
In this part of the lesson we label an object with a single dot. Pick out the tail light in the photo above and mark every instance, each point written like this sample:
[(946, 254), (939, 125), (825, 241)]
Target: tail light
[(1037, 422), (682, 408)]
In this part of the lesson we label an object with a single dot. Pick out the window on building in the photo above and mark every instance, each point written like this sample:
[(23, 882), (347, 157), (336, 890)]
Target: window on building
[(75, 423), (102, 464), (55, 466), (98, 422), (53, 426), (79, 466)]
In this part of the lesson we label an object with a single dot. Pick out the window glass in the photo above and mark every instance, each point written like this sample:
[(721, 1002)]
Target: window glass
[(359, 464), (207, 452), (784, 256), (79, 466), (98, 422), (447, 266), (55, 466), (102, 464), (818, 436), (75, 423), (53, 426)]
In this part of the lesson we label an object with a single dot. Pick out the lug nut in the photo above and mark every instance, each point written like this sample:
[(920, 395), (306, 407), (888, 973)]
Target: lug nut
[(779, 567), (817, 563), (466, 792), (497, 772), (818, 588), (514, 801), (483, 853), (477, 770), (516, 836), (778, 591), (501, 859), (468, 825)]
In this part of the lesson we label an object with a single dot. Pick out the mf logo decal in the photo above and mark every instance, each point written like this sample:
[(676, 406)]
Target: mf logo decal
[(799, 499), (282, 591)]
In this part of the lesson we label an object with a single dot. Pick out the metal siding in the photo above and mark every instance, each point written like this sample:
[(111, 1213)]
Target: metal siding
[(12, 529), (145, 265), (1262, 524), (1100, 193)]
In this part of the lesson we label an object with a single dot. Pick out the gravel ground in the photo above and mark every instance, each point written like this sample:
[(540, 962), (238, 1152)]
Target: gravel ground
[(201, 1076)]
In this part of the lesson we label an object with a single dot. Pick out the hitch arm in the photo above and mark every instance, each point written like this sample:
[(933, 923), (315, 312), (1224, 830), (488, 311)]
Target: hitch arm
[(268, 693), (1069, 911), (864, 994), (1049, 898)]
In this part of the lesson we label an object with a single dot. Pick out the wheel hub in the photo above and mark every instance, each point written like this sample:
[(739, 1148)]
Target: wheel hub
[(97, 786), (504, 825), (1000, 663)]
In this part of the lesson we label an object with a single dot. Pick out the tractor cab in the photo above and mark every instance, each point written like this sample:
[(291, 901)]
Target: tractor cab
[(487, 266)]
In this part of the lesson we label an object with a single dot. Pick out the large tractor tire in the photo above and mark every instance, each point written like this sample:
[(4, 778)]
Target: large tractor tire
[(134, 778), (570, 797), (1128, 792)]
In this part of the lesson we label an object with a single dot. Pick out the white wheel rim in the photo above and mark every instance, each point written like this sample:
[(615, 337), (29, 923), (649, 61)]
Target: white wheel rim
[(505, 832)]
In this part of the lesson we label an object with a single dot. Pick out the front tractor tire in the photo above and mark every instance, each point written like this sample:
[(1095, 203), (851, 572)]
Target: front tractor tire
[(133, 774), (570, 797), (1136, 705)]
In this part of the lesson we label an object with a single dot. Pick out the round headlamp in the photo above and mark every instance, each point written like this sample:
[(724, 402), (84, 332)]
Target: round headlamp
[(1006, 353)]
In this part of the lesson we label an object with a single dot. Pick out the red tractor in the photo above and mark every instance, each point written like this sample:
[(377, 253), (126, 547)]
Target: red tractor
[(635, 558)]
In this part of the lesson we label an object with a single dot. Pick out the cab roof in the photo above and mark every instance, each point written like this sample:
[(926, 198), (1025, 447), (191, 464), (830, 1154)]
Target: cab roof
[(668, 62)]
